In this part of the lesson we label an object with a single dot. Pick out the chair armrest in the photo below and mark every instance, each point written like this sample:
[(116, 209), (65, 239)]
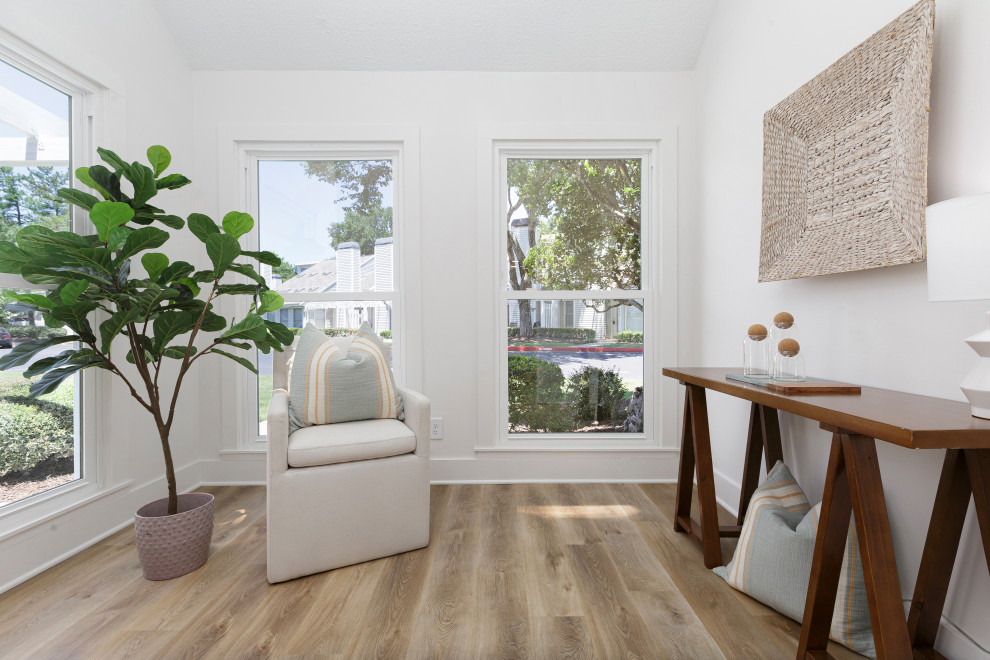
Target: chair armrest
[(417, 408), (278, 433)]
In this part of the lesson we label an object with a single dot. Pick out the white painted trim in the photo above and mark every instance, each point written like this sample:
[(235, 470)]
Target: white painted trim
[(657, 145), (241, 145), (554, 468)]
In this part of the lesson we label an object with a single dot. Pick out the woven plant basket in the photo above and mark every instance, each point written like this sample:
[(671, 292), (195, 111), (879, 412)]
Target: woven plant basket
[(170, 546)]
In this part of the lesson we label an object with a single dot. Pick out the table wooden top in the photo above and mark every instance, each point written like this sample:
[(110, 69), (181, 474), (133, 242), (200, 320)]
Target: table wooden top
[(908, 420)]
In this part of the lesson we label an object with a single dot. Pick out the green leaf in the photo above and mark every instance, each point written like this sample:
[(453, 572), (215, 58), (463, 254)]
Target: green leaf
[(111, 159), (108, 215), (113, 326), (264, 257), (35, 299), (204, 276), (23, 352), (213, 322), (74, 316), (82, 173), (159, 157), (173, 181), (280, 332), (154, 263), (236, 358), (190, 284), (202, 226), (51, 380), (270, 301), (252, 328), (176, 271), (108, 181), (237, 224), (78, 197), (143, 180), (117, 238), (99, 259), (145, 238), (237, 289), (248, 271), (39, 239), (148, 357), (44, 364), (12, 258), (173, 221), (178, 352), (222, 250), (236, 344), (72, 290), (168, 326)]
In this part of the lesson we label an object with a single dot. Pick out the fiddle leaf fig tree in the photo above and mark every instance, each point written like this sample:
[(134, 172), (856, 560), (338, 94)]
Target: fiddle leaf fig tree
[(145, 320)]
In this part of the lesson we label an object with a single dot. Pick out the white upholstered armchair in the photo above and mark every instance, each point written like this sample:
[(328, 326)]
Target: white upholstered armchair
[(341, 494)]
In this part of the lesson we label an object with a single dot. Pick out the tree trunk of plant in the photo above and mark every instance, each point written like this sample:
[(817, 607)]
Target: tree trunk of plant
[(173, 496)]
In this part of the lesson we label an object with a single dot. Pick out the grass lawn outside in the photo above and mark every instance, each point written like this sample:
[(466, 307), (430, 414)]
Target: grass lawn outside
[(264, 396)]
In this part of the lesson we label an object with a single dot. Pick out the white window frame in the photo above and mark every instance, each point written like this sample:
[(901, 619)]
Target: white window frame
[(96, 118), (656, 145), (241, 147)]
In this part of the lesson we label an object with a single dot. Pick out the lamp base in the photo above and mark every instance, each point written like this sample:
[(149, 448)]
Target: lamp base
[(976, 384)]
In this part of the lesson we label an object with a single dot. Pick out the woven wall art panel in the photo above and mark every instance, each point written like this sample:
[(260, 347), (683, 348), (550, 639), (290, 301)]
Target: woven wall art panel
[(845, 159)]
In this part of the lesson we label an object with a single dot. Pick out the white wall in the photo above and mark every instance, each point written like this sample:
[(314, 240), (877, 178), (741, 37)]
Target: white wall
[(873, 327), (448, 107), (123, 45)]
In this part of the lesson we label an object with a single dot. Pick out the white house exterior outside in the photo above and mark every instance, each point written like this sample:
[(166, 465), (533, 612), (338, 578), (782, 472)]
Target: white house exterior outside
[(347, 271)]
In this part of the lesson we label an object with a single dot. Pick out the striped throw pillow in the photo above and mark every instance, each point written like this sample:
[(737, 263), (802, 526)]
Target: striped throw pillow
[(772, 561), (341, 381)]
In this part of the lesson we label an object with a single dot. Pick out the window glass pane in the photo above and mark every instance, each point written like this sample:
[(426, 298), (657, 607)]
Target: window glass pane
[(38, 437), (580, 370), (39, 443), (331, 223), (335, 319), (573, 224)]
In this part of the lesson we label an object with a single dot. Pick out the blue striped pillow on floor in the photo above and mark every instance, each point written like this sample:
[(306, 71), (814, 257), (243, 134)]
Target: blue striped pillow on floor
[(772, 562)]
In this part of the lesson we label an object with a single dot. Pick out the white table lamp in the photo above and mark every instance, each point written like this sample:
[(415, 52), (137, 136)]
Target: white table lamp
[(958, 234)]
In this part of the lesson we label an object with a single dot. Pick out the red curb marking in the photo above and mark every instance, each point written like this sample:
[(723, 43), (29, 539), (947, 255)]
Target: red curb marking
[(576, 349)]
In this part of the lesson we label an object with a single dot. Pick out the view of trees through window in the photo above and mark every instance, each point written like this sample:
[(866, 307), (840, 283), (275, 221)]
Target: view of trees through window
[(37, 436), (575, 363), (331, 223)]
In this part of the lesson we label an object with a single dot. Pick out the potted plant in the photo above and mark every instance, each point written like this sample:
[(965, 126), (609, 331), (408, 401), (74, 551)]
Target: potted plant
[(144, 317)]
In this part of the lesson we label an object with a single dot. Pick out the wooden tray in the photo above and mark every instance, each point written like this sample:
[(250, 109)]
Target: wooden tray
[(808, 386)]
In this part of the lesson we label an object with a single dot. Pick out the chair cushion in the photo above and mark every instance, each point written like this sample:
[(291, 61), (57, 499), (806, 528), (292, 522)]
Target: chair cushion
[(332, 382), (354, 441), (772, 561)]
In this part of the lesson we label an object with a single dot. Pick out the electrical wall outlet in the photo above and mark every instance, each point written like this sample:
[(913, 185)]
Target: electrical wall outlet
[(436, 428)]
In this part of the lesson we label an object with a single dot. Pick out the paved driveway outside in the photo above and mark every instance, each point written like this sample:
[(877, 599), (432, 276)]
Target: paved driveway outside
[(629, 365)]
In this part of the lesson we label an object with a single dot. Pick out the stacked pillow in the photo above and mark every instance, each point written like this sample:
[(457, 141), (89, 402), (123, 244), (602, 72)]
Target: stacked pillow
[(343, 379), (772, 562)]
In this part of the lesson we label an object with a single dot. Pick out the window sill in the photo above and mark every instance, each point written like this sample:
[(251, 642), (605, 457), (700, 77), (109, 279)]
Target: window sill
[(31, 512)]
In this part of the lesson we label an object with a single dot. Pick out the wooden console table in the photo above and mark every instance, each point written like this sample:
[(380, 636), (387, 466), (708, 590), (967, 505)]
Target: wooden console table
[(852, 485)]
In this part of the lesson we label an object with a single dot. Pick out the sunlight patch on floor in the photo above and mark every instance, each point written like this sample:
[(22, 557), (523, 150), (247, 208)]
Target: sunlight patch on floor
[(595, 511)]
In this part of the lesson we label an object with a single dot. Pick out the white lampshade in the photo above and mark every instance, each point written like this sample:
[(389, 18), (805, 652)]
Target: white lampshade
[(958, 234)]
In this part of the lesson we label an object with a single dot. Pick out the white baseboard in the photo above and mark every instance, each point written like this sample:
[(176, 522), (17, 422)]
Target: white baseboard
[(661, 467)]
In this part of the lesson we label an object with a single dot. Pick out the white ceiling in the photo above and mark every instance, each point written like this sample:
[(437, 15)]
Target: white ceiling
[(439, 35)]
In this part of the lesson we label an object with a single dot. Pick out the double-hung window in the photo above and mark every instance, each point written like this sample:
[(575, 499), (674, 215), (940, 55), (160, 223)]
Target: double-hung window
[(45, 124), (338, 205), (578, 254)]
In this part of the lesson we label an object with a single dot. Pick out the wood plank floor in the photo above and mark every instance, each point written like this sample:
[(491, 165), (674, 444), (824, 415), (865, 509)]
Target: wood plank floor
[(512, 571)]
